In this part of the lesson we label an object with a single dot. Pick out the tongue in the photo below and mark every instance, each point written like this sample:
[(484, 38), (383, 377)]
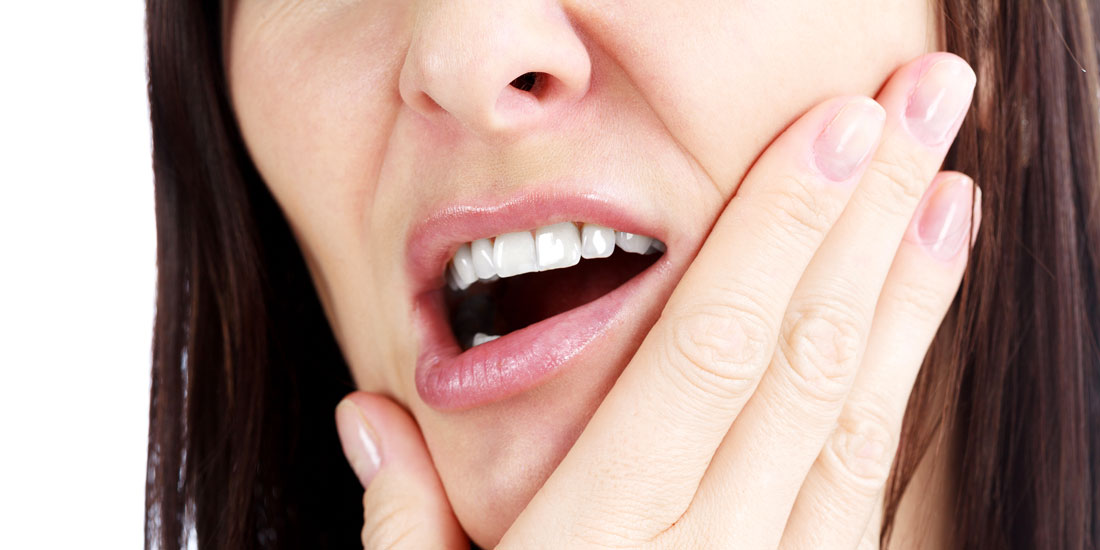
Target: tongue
[(527, 299)]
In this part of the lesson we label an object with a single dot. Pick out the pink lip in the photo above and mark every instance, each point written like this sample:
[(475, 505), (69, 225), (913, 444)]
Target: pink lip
[(434, 241), (449, 379)]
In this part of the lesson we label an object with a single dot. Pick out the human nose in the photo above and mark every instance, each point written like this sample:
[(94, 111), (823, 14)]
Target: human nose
[(495, 66)]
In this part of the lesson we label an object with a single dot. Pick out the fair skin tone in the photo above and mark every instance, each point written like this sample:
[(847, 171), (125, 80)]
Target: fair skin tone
[(753, 392)]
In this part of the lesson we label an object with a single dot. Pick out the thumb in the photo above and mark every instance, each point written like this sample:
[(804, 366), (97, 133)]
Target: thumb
[(404, 506)]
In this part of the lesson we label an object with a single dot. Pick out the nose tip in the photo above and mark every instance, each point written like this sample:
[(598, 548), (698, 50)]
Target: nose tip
[(495, 72)]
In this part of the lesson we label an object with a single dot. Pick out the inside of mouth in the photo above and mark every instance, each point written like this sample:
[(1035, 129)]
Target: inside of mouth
[(505, 305)]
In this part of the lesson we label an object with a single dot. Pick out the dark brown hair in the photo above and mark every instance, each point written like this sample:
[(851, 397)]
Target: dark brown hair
[(246, 373)]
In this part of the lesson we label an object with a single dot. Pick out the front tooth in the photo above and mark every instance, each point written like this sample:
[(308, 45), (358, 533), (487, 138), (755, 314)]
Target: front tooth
[(514, 254), (464, 267), (482, 251), (557, 246), (597, 241), (630, 242), (480, 338)]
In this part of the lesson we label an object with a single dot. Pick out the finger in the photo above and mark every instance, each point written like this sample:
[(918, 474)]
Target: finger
[(873, 530), (638, 462), (852, 468), (404, 506), (774, 442)]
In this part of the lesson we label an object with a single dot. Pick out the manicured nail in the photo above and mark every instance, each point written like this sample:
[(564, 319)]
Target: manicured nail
[(944, 225), (939, 101), (849, 139), (359, 440), (977, 214)]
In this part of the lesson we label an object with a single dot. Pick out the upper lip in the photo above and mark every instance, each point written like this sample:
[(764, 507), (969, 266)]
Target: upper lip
[(433, 241)]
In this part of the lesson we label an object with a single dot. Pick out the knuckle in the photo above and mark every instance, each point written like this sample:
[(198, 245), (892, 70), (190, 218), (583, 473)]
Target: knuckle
[(861, 450), (800, 211), (389, 522), (386, 531), (897, 184), (820, 345), (719, 347), (920, 300)]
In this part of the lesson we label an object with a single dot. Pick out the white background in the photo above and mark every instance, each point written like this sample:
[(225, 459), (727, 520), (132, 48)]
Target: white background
[(77, 274)]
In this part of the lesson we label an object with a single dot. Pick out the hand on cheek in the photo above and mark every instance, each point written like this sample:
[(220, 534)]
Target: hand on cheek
[(763, 409)]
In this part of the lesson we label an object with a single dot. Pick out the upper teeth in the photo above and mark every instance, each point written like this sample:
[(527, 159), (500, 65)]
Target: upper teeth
[(550, 247)]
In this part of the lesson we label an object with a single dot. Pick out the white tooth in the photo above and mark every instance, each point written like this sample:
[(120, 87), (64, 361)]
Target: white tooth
[(597, 241), (630, 242), (557, 246), (656, 247), (480, 338), (455, 281), (464, 267), (514, 254), (450, 277), (482, 252)]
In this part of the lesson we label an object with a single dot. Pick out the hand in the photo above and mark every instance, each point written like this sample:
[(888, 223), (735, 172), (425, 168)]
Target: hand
[(763, 408)]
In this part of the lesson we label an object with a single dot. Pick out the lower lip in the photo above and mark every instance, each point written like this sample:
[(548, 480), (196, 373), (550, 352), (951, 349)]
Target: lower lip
[(449, 379)]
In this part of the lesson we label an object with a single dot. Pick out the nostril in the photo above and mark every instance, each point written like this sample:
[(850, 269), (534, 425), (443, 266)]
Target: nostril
[(527, 81)]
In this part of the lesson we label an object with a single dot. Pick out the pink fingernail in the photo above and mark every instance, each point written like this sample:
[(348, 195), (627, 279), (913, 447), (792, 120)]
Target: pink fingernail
[(939, 101), (849, 139), (944, 225), (359, 440)]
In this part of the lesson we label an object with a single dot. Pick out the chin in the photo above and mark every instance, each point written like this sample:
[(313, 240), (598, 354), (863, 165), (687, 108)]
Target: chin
[(493, 458)]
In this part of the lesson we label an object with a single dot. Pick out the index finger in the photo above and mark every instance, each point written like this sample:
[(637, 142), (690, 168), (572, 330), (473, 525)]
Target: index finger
[(653, 436)]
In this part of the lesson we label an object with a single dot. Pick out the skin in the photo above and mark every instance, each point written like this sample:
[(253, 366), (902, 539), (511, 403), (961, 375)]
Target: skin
[(358, 115)]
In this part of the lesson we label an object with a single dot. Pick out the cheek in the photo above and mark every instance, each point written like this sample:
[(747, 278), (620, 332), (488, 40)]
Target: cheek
[(727, 76), (312, 95)]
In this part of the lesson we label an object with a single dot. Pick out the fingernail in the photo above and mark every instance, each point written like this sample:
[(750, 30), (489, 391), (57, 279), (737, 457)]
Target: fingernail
[(940, 100), (944, 225), (849, 139), (977, 214), (359, 440)]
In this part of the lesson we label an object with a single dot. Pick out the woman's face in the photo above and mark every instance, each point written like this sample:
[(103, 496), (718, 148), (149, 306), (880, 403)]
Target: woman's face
[(390, 132)]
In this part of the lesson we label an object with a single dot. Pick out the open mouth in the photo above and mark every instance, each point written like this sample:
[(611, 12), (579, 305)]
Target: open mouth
[(505, 311), (502, 284)]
